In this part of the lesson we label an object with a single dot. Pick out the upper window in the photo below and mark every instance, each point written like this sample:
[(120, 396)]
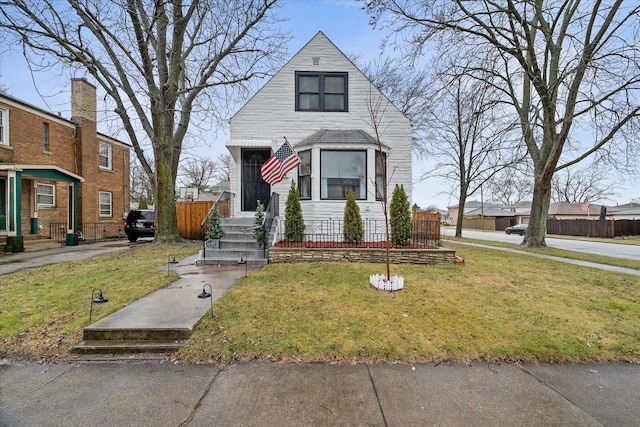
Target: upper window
[(45, 137), (321, 91), (343, 171), (105, 156), (105, 204), (46, 195), (304, 175), (4, 126)]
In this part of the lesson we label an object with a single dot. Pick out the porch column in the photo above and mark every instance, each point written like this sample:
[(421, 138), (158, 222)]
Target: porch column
[(34, 209), (72, 216), (15, 239)]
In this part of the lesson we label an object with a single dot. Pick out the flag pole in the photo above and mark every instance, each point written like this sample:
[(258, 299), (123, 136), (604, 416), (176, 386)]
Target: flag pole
[(301, 162)]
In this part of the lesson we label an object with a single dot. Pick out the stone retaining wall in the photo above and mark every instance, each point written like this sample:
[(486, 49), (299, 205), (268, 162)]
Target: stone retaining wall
[(397, 256)]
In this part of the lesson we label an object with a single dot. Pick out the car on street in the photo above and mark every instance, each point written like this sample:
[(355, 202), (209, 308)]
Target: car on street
[(140, 223), (520, 229)]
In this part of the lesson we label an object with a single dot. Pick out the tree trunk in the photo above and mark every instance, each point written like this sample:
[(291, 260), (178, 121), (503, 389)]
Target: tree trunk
[(461, 202), (537, 230), (166, 170)]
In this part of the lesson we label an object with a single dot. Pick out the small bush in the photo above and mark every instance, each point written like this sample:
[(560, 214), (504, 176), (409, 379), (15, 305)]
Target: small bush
[(400, 221), (259, 233), (353, 228), (215, 230), (293, 222)]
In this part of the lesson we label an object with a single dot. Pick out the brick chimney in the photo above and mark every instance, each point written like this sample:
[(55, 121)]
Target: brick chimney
[(83, 100), (84, 114)]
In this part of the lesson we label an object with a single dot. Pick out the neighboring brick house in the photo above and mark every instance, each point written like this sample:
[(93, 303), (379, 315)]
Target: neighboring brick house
[(58, 171)]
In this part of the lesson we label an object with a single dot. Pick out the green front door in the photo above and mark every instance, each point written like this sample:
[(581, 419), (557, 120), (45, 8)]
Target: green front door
[(3, 203)]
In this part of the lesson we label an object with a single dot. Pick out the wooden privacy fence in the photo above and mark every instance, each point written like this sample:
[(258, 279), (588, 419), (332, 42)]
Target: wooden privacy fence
[(594, 228), (426, 225), (190, 215)]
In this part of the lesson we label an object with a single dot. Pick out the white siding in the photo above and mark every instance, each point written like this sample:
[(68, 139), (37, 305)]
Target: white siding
[(271, 115)]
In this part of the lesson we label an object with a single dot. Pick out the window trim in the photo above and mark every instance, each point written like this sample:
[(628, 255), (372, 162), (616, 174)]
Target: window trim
[(45, 137), (52, 195), (100, 214), (109, 156), (362, 196), (304, 172), (321, 90), (4, 127)]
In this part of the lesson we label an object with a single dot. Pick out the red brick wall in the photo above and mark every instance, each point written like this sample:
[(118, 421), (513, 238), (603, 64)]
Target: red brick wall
[(74, 149)]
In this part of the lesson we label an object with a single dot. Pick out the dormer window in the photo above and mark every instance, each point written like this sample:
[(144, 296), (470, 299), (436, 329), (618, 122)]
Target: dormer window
[(321, 91)]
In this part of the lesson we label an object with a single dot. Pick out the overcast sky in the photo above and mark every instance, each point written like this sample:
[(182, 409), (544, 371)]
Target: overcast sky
[(343, 21)]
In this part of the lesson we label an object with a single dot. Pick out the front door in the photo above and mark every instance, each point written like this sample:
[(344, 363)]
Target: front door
[(253, 188)]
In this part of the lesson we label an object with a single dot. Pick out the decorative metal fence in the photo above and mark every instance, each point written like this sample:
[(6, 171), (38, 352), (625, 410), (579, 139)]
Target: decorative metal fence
[(89, 231), (329, 234)]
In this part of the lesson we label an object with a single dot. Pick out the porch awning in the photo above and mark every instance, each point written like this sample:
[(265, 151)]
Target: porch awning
[(250, 143), (51, 172)]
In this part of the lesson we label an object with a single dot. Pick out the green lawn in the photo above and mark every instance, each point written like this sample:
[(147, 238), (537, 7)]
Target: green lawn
[(498, 306), (43, 310)]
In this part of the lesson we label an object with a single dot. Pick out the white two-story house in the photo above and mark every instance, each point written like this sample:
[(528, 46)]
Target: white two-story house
[(328, 111)]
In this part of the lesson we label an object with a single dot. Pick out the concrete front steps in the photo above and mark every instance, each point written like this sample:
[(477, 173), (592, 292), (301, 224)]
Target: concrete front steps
[(237, 244), (134, 340), (34, 242)]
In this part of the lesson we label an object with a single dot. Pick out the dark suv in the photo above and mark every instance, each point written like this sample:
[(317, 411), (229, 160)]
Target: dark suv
[(140, 223)]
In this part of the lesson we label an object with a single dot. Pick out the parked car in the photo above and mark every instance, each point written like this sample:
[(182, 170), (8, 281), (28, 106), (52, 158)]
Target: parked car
[(520, 229), (140, 223)]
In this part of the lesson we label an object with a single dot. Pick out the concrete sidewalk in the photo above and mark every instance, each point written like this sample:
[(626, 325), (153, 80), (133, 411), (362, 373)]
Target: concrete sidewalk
[(306, 394), (163, 393)]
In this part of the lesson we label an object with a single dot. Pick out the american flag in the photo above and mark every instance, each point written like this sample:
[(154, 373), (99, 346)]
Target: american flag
[(282, 161), (585, 205)]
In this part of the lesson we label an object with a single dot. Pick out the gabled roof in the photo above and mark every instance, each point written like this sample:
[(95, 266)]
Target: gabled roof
[(333, 136), (320, 36), (487, 211), (566, 208)]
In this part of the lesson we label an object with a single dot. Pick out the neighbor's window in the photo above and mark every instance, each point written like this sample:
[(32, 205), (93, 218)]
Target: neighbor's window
[(46, 195), (4, 126), (45, 137), (321, 91), (343, 171), (304, 175), (105, 156), (381, 161), (105, 204)]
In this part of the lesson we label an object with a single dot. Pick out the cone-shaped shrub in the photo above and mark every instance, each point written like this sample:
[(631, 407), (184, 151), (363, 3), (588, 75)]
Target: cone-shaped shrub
[(259, 233), (353, 228), (215, 230), (293, 221), (400, 217)]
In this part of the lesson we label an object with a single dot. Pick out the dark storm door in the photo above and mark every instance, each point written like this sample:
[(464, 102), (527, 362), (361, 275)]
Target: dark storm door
[(253, 187)]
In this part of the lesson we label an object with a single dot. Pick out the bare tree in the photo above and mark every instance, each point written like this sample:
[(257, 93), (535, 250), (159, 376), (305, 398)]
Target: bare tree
[(223, 168), (510, 186), (198, 173), (162, 63), (469, 141), (576, 186), (139, 184), (568, 69)]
